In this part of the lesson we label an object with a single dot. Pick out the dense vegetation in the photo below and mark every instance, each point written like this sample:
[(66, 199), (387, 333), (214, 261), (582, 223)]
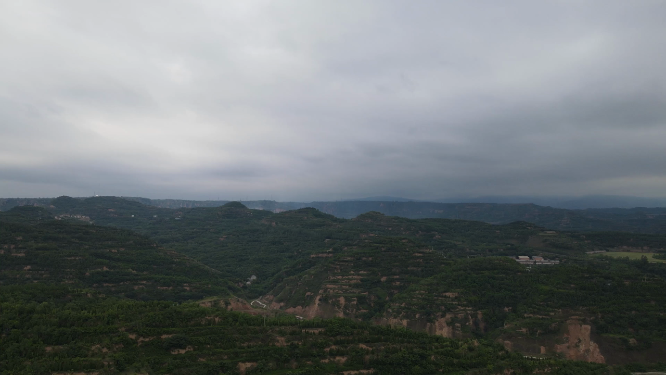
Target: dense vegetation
[(61, 330), (399, 282), (114, 261), (240, 242), (621, 299), (108, 284)]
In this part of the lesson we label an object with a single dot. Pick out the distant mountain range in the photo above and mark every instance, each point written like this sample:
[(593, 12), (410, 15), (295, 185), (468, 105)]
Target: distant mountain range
[(572, 203), (600, 218), (638, 219)]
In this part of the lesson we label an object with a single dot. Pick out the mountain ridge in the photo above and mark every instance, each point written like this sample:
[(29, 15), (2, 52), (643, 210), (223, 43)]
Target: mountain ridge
[(639, 220)]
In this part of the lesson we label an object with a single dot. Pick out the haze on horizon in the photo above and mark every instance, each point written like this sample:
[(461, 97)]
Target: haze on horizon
[(329, 100)]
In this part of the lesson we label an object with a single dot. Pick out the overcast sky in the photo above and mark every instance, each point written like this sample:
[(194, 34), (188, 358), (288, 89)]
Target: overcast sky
[(332, 99)]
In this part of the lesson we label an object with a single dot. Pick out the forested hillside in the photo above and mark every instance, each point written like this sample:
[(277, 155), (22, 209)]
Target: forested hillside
[(51, 329), (9, 203), (37, 249), (241, 242), (78, 297), (449, 278), (615, 308), (620, 303)]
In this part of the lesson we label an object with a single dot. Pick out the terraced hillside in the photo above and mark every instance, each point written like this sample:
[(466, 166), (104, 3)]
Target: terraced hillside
[(49, 329), (545, 310), (240, 242), (357, 282), (542, 311), (450, 278)]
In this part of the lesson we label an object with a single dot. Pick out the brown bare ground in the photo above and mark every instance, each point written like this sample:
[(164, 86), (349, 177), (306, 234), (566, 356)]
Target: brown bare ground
[(100, 348), (144, 339), (244, 366), (181, 351), (237, 304), (339, 359)]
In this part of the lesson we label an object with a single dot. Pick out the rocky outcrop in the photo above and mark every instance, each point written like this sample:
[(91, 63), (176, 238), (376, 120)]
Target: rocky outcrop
[(574, 342), (441, 327), (319, 308), (578, 345)]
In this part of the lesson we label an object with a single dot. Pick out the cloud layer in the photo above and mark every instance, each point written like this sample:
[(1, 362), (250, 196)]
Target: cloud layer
[(305, 100)]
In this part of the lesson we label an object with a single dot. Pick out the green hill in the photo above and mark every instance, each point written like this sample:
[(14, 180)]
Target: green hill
[(445, 277), (241, 242), (640, 220), (545, 310), (637, 220), (539, 311), (109, 260), (49, 329)]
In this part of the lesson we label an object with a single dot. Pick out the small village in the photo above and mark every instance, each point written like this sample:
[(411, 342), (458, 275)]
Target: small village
[(534, 260)]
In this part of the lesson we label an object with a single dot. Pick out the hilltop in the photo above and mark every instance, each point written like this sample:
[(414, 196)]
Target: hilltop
[(637, 220)]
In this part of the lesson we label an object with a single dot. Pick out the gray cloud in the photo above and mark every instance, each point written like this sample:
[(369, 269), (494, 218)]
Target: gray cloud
[(332, 99)]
